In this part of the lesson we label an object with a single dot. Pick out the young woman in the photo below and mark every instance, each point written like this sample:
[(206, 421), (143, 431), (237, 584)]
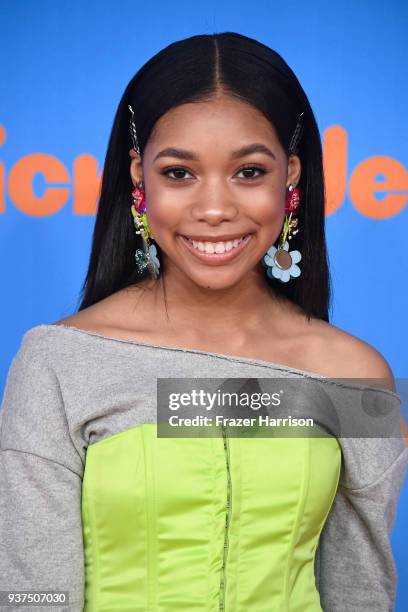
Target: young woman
[(215, 161)]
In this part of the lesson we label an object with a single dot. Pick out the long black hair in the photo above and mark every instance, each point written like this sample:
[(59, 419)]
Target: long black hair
[(194, 69)]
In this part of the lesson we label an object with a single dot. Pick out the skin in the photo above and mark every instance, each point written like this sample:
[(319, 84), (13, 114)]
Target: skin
[(228, 308), (212, 197)]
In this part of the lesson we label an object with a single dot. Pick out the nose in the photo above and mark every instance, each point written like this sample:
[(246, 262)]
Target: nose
[(214, 204)]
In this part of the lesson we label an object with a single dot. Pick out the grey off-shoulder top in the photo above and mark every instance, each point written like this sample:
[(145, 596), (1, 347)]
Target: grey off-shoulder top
[(68, 388)]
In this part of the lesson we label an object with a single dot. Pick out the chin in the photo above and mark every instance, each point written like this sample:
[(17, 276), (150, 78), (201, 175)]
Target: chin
[(215, 281)]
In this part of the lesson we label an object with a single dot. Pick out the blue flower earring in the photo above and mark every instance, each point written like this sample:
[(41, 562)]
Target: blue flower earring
[(281, 263), (147, 256)]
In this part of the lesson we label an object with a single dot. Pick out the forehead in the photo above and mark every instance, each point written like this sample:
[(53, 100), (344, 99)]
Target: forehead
[(224, 117)]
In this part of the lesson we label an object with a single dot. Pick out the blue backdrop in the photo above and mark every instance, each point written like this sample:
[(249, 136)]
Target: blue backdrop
[(64, 66)]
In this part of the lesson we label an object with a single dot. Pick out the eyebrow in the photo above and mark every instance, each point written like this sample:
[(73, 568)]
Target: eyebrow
[(246, 150)]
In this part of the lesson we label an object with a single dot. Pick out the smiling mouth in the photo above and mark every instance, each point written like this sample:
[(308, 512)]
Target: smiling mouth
[(216, 252), (212, 246)]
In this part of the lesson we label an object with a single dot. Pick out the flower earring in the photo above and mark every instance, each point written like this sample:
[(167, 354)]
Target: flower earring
[(147, 256), (280, 262)]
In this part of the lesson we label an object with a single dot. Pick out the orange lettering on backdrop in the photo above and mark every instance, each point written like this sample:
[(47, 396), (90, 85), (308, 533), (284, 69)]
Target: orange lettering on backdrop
[(363, 187), (404, 430), (2, 173), (87, 184), (21, 184), (335, 167)]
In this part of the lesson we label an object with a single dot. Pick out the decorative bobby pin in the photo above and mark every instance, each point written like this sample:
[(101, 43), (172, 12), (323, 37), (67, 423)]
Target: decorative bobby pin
[(133, 133), (296, 135)]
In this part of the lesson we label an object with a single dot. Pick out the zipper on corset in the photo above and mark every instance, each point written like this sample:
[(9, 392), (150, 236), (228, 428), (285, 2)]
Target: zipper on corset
[(227, 520)]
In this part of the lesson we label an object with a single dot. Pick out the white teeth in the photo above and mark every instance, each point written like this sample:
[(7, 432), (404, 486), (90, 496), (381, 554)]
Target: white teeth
[(215, 247)]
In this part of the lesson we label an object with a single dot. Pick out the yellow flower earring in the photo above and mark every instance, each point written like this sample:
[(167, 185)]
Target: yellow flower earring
[(281, 263), (147, 256)]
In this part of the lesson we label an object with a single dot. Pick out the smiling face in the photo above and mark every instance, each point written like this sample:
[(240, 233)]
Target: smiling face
[(215, 172)]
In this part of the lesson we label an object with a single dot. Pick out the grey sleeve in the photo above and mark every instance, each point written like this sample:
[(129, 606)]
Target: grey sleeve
[(41, 547), (355, 568)]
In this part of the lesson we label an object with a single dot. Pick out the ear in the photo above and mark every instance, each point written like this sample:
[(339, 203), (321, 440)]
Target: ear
[(136, 170), (294, 170)]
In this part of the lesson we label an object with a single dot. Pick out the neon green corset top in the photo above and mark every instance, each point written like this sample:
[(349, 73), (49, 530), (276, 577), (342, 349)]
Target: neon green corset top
[(205, 524)]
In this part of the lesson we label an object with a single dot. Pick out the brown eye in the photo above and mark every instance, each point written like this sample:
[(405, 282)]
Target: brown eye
[(249, 172), (178, 173)]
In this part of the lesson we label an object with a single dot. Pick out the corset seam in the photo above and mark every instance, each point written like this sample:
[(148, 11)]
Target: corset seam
[(227, 524), (330, 505), (300, 507), (211, 549), (94, 551), (238, 489), (148, 531)]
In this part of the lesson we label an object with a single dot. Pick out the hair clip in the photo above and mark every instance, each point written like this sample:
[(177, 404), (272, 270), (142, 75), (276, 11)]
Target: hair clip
[(296, 135), (133, 133)]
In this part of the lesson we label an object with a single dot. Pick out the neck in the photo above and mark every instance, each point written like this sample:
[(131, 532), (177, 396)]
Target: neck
[(243, 308)]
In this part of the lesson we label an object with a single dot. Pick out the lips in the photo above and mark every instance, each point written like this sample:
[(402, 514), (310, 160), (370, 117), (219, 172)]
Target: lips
[(216, 258)]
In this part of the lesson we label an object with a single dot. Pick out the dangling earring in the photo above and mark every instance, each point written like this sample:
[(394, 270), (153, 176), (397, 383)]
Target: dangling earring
[(146, 258), (280, 262)]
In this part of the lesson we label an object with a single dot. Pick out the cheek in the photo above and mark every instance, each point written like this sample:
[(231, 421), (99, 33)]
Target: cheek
[(164, 207), (268, 213), (266, 208)]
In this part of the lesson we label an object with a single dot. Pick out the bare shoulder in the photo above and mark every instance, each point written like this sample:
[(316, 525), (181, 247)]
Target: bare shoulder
[(116, 315), (348, 356)]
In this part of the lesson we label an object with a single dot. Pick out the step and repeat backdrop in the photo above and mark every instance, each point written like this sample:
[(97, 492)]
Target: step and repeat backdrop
[(64, 66)]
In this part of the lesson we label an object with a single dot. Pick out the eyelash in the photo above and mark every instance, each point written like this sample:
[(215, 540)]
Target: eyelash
[(249, 167)]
